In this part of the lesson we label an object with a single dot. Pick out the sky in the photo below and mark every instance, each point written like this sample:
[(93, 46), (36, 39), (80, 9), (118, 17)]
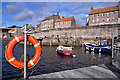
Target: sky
[(21, 13)]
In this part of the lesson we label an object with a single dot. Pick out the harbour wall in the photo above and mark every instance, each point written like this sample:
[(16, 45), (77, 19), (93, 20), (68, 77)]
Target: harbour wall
[(76, 36), (84, 32)]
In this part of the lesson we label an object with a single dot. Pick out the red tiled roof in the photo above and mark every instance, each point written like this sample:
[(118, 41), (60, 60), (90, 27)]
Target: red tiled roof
[(77, 26), (64, 19), (108, 9), (39, 25)]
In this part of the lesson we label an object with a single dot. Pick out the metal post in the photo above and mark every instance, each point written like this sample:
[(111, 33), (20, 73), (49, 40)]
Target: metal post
[(25, 41), (112, 44)]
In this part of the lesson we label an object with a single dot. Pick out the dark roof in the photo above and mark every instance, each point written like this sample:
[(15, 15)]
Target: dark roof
[(51, 17), (14, 27)]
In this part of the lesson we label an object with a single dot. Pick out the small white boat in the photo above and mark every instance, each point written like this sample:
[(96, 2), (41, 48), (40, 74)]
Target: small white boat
[(64, 50)]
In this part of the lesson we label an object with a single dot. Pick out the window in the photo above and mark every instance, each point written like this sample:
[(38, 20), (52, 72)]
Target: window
[(102, 14), (97, 15), (113, 13), (93, 20), (108, 14), (93, 15), (113, 19), (102, 20), (108, 19), (97, 20)]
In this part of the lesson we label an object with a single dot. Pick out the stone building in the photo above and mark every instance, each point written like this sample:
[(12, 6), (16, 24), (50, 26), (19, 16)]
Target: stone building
[(15, 31), (65, 22), (49, 22), (55, 21), (108, 15), (4, 33)]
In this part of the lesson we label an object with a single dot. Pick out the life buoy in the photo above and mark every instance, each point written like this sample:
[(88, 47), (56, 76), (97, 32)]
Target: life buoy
[(10, 56)]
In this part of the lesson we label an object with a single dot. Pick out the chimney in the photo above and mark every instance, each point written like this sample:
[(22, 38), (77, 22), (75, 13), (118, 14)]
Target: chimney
[(72, 16), (62, 17), (30, 25), (91, 9), (57, 13), (26, 25), (52, 14)]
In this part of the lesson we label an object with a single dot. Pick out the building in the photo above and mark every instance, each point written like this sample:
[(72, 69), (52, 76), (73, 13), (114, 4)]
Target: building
[(15, 31), (55, 21), (108, 15), (49, 22), (4, 33), (65, 22)]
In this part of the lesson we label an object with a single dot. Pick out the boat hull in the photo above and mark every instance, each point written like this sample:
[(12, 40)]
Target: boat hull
[(97, 49), (64, 52)]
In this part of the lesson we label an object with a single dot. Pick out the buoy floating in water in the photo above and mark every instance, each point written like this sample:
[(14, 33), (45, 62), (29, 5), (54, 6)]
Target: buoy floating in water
[(74, 56)]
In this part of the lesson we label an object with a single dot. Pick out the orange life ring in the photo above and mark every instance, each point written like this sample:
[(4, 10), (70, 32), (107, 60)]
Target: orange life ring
[(10, 56)]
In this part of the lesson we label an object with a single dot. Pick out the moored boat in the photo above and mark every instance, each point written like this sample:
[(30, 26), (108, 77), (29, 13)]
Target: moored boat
[(64, 50), (100, 46)]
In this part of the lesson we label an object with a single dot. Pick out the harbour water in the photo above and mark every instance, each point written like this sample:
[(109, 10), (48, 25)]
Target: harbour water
[(51, 61)]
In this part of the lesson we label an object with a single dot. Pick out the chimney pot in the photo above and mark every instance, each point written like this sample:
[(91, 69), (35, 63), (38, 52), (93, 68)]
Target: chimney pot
[(62, 17), (52, 14), (91, 8), (57, 13)]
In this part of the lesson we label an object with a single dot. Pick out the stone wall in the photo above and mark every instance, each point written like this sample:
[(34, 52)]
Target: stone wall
[(81, 32)]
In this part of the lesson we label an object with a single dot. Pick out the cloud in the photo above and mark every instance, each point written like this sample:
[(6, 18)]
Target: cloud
[(12, 8), (80, 10), (81, 19), (26, 14), (35, 12)]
